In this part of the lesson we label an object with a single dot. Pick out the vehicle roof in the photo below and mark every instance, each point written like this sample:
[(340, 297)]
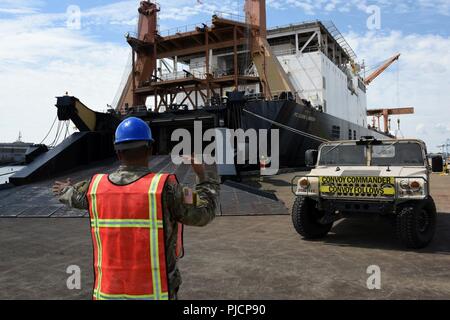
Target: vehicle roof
[(379, 140)]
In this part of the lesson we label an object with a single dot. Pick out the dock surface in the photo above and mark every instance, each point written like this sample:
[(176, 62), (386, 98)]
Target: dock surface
[(243, 257)]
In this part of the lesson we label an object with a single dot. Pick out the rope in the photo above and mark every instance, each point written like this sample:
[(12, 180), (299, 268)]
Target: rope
[(302, 133), (67, 130), (58, 133), (48, 133)]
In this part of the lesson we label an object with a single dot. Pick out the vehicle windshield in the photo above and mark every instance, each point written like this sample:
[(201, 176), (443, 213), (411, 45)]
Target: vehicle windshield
[(400, 154), (387, 154), (343, 155)]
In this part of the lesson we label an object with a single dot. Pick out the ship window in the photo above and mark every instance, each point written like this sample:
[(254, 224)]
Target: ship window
[(336, 132), (350, 134), (354, 135)]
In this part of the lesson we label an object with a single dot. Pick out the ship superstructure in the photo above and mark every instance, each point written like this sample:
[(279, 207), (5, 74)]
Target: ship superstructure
[(195, 68), (323, 68)]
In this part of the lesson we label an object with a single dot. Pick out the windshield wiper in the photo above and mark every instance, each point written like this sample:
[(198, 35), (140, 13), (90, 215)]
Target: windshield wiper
[(387, 148), (332, 149)]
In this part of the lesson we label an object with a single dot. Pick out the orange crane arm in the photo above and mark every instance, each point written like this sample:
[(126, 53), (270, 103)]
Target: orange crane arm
[(391, 111), (386, 112), (381, 69)]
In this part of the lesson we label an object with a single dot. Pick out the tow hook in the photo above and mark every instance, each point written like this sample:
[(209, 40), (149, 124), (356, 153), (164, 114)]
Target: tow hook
[(330, 217)]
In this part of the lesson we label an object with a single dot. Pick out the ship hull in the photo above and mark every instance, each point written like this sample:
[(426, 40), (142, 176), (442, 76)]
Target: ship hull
[(301, 128)]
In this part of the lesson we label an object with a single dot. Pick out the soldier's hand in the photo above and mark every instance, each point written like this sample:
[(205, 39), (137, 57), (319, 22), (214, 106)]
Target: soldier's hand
[(199, 168), (59, 186)]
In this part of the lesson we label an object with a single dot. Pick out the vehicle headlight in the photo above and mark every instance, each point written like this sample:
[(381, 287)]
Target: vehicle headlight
[(303, 184), (308, 186), (404, 184), (412, 188)]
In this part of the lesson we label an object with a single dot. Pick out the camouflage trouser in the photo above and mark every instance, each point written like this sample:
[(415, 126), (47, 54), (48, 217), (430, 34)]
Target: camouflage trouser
[(174, 294)]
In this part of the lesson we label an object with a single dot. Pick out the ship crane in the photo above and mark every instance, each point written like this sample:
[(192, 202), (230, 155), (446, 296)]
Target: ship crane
[(445, 148), (381, 69), (386, 113)]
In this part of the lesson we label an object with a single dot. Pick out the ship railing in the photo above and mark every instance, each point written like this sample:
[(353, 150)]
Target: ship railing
[(276, 96), (284, 52), (182, 75), (285, 95), (133, 110), (139, 109), (182, 29), (216, 71), (337, 35), (292, 26), (331, 28), (201, 67), (229, 16)]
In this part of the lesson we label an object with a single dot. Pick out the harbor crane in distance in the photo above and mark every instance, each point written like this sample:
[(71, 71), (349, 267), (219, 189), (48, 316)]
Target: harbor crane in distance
[(368, 80), (445, 148), (386, 113)]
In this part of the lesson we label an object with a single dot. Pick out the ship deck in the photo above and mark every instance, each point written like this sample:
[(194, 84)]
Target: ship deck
[(36, 200)]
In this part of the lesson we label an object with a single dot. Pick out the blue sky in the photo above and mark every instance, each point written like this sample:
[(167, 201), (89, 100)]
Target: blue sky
[(41, 58), (410, 16)]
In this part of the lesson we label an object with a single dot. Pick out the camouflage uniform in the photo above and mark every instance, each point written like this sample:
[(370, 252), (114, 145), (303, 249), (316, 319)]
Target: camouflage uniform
[(175, 210)]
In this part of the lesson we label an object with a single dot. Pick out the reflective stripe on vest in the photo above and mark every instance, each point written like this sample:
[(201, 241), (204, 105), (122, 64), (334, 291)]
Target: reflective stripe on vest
[(128, 236)]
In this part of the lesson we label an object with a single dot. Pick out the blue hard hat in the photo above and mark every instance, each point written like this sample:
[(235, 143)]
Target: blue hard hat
[(132, 130)]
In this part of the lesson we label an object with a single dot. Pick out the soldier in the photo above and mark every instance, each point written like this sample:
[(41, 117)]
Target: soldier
[(137, 217)]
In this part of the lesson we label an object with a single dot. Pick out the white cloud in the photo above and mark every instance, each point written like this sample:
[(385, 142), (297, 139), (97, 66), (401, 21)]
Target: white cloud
[(442, 6), (399, 6), (442, 128), (15, 7), (39, 61), (124, 12), (421, 129), (422, 80)]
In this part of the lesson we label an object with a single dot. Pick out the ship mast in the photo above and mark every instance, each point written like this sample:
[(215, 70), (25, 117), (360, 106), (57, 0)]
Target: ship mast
[(144, 55), (274, 80)]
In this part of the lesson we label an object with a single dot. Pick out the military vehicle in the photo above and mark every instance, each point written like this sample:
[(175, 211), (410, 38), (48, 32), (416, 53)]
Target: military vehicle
[(390, 178)]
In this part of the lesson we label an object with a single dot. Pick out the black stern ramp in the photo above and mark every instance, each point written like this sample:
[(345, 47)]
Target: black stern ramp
[(81, 148)]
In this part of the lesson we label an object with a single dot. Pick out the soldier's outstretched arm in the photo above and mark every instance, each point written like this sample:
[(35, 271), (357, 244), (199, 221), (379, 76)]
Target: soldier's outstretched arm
[(72, 195), (198, 206)]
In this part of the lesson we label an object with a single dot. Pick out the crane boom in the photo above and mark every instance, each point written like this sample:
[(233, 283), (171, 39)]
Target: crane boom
[(381, 69), (386, 112)]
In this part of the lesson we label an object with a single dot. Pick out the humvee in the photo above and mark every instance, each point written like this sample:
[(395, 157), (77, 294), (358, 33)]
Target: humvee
[(390, 178)]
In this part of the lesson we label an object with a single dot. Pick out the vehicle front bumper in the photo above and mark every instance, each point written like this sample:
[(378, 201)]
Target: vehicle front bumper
[(358, 206)]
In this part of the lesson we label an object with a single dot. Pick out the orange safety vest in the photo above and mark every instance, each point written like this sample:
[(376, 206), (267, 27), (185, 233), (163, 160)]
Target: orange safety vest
[(129, 242)]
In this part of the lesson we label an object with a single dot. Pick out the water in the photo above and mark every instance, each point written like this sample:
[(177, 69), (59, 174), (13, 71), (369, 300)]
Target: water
[(6, 172)]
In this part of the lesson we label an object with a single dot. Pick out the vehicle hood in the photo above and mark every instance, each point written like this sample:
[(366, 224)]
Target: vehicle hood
[(369, 171)]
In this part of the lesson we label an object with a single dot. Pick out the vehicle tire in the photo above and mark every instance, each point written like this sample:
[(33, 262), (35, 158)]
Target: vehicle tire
[(416, 223), (306, 217)]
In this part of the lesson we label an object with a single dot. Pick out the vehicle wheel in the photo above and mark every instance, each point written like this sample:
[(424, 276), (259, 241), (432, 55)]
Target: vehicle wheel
[(306, 217), (416, 224)]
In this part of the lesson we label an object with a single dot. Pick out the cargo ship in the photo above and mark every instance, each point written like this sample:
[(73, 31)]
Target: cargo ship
[(232, 73), (302, 79)]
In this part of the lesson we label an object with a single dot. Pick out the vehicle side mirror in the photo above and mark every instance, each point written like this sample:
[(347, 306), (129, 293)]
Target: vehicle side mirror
[(311, 158), (437, 164)]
